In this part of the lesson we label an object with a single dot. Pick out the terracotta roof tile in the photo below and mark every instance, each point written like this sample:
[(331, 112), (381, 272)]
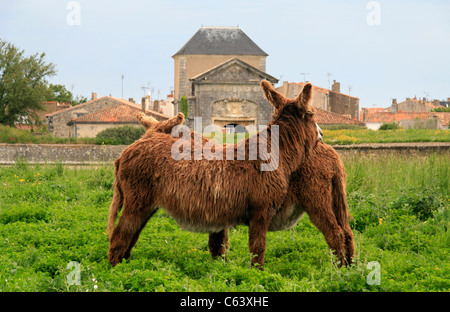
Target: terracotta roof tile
[(123, 112), (329, 118), (444, 118)]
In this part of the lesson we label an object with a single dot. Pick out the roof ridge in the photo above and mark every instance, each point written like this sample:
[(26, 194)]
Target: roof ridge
[(228, 63), (220, 41)]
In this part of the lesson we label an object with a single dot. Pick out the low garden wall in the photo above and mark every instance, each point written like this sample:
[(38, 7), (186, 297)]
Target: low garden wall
[(86, 154)]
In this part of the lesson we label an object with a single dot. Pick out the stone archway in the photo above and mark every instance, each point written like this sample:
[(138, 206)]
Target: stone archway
[(234, 112)]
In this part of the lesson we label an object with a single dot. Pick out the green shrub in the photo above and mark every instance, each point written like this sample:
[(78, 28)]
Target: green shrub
[(421, 203), (184, 106), (389, 126), (124, 135)]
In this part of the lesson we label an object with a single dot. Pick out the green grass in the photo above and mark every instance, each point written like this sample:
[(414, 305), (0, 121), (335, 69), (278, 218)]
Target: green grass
[(338, 137), (14, 135), (52, 215), (359, 136)]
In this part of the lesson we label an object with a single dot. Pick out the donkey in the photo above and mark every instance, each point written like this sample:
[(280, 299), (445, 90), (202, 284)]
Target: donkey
[(198, 194), (317, 187)]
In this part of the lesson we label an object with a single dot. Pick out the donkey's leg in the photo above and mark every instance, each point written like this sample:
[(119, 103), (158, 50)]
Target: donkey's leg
[(127, 231), (136, 235), (349, 244), (258, 226), (218, 243), (321, 214)]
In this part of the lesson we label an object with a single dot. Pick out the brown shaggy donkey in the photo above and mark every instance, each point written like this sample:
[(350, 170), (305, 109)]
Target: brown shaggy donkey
[(317, 187), (211, 195)]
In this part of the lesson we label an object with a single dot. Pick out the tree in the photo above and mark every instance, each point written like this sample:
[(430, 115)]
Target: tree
[(61, 94), (23, 84)]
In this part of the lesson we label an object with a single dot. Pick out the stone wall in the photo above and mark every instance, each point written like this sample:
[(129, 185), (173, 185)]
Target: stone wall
[(84, 154), (70, 154)]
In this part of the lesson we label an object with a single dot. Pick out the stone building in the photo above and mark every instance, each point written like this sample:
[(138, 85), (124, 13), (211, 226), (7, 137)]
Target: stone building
[(87, 119), (329, 100), (412, 105), (219, 70), (230, 94)]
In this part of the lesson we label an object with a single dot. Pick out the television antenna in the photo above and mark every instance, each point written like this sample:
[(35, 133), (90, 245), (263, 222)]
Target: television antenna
[(304, 76), (145, 88)]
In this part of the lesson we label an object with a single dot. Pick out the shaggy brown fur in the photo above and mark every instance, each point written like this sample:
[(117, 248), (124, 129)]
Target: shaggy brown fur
[(210, 195), (318, 188)]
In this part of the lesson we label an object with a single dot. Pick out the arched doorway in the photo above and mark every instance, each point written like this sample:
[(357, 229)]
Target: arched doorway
[(235, 128), (234, 112)]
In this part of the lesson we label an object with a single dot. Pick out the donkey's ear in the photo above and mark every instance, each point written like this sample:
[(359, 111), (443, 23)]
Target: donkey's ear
[(275, 98), (167, 125), (305, 97)]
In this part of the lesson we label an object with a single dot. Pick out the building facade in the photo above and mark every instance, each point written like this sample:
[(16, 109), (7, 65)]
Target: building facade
[(230, 94), (87, 119), (219, 70), (329, 100)]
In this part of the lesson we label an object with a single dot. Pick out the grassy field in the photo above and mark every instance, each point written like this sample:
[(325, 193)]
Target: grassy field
[(339, 137), (51, 216)]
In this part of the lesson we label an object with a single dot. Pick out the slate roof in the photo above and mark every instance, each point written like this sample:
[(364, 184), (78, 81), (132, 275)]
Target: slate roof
[(221, 41)]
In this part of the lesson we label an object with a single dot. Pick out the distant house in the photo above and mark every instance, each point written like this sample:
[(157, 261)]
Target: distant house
[(445, 103), (87, 119), (409, 119), (412, 105), (325, 118), (329, 100)]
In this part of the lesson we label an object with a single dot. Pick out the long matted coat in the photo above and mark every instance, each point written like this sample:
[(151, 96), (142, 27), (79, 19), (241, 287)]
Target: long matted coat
[(211, 195), (317, 187)]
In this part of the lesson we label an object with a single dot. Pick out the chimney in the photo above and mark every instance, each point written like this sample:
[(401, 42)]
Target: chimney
[(336, 87), (94, 96), (394, 101), (131, 100), (143, 104)]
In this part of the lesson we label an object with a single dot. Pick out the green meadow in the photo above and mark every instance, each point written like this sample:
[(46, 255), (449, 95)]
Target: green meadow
[(53, 221)]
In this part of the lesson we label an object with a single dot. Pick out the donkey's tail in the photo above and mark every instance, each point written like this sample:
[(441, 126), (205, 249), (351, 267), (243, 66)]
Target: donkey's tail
[(340, 207), (341, 212), (117, 201)]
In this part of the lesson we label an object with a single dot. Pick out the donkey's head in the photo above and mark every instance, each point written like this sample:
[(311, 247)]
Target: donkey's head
[(302, 102), (295, 118), (151, 124)]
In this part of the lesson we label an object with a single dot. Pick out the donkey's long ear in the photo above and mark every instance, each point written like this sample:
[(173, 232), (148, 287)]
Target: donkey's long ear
[(168, 125), (275, 98), (305, 97)]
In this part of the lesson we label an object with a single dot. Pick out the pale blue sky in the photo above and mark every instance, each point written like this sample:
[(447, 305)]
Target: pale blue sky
[(406, 55)]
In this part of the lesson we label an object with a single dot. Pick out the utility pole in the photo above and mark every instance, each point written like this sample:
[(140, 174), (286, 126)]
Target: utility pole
[(122, 85)]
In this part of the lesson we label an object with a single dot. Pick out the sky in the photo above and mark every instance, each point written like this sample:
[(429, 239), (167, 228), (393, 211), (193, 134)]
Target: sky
[(377, 50)]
